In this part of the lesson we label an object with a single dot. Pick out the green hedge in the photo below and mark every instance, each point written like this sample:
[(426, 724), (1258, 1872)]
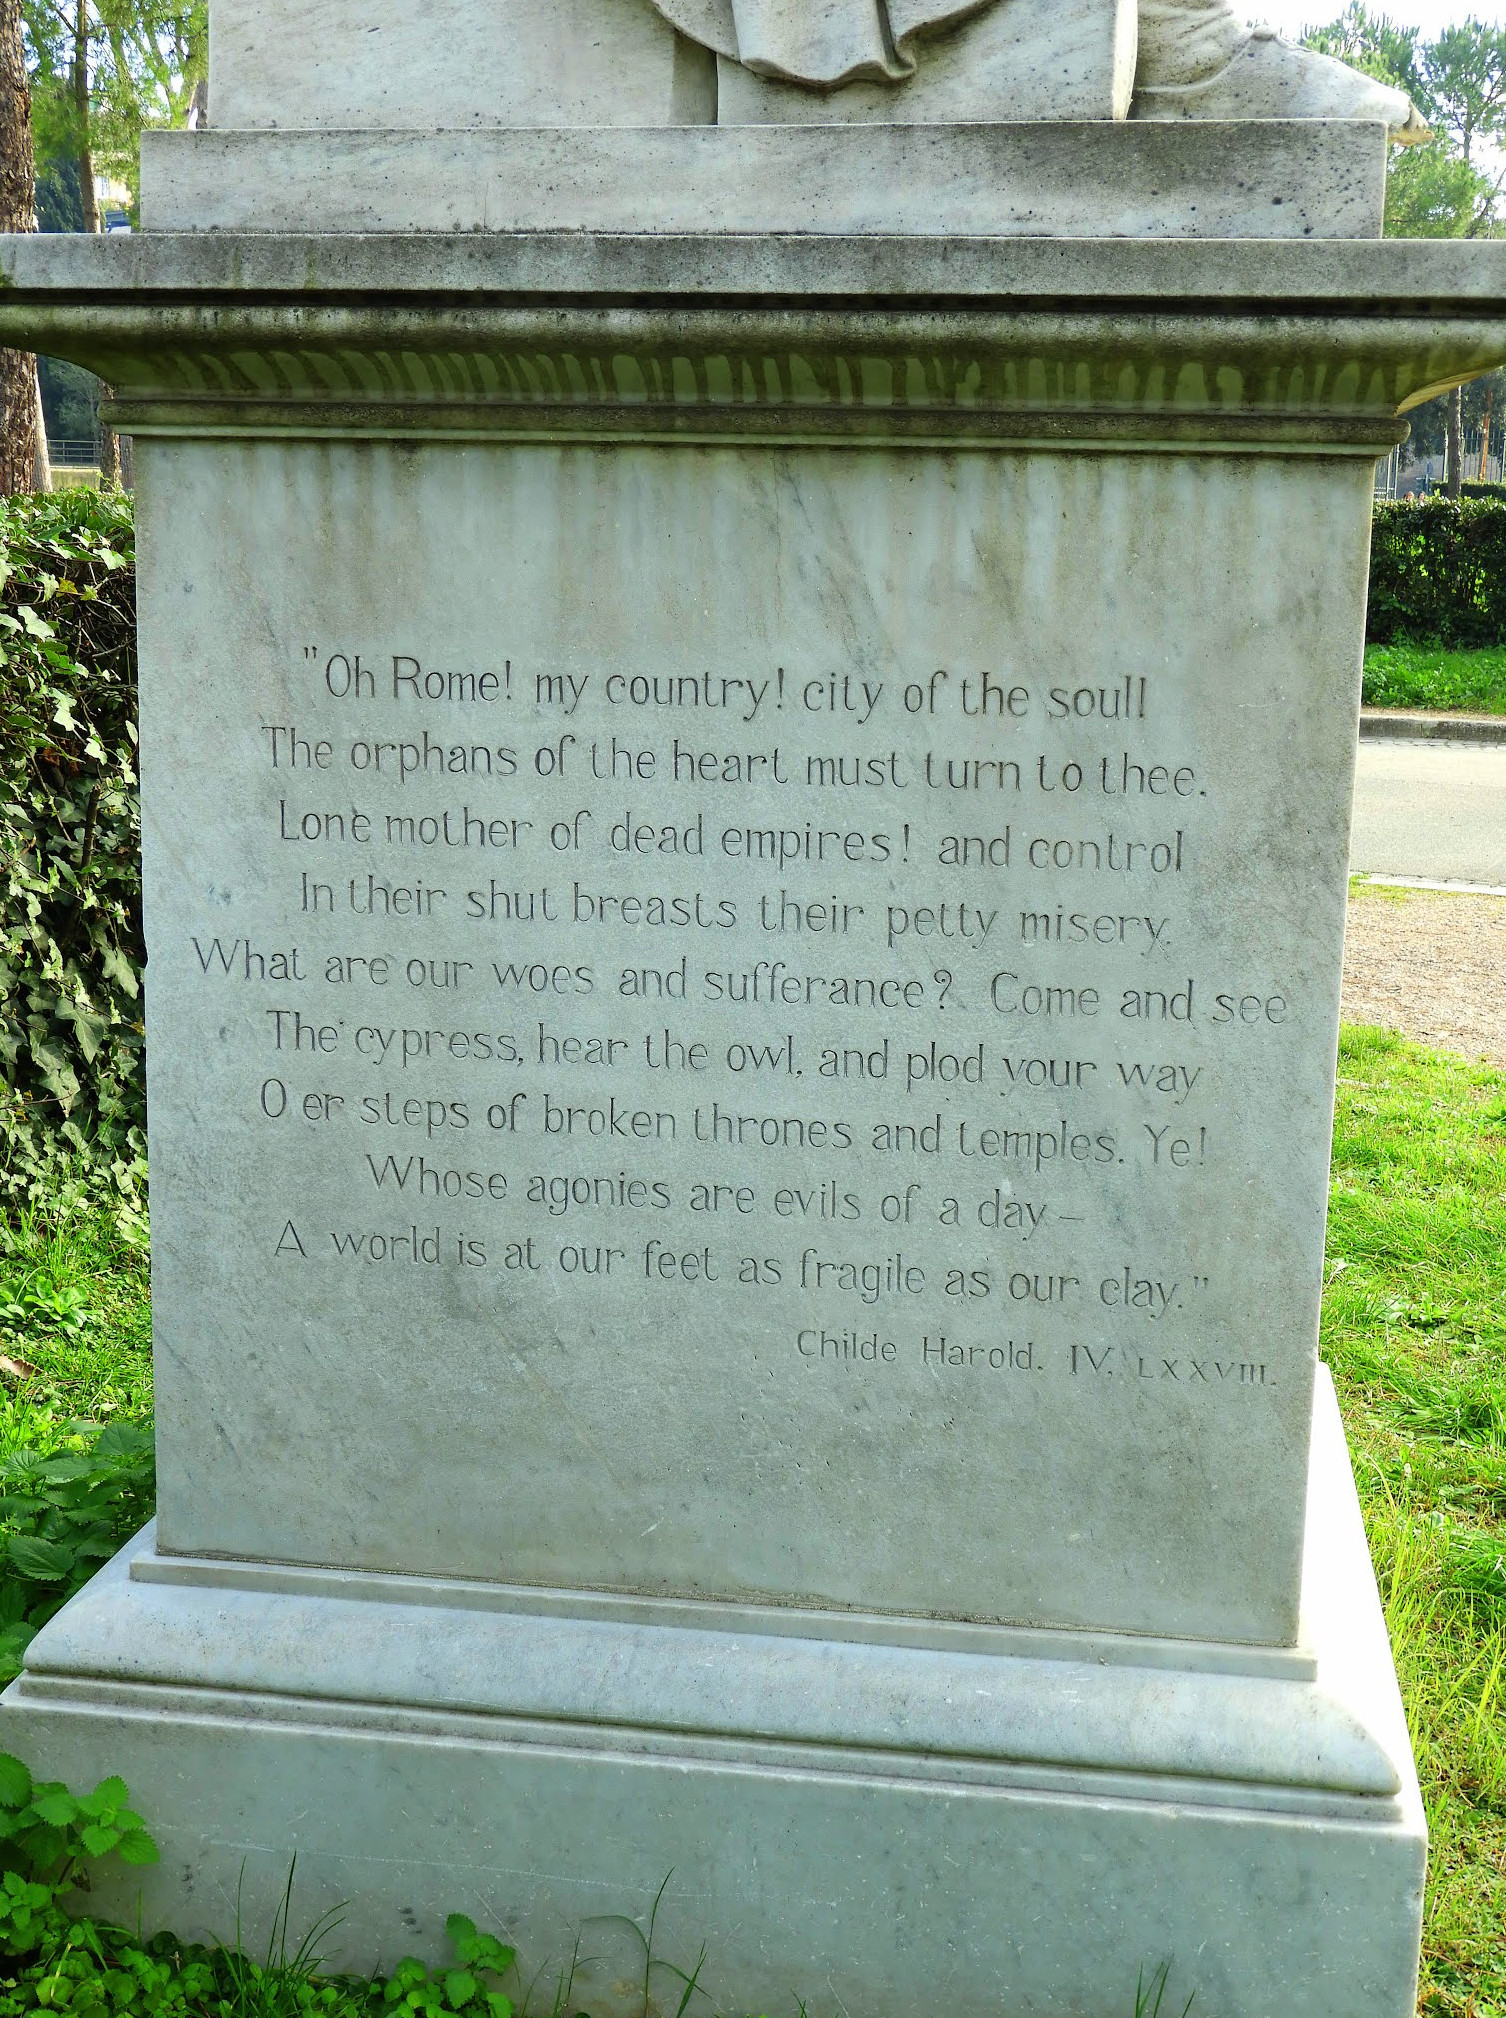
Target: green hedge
[(71, 1042), (1438, 572)]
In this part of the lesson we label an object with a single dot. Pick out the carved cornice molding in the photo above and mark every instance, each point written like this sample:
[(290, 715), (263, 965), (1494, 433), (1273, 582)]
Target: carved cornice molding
[(1212, 346)]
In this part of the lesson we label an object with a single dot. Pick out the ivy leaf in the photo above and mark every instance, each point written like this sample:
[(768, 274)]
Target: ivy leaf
[(117, 968), (37, 626)]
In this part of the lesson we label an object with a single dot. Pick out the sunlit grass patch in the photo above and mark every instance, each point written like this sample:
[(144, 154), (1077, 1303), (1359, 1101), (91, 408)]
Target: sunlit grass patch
[(1415, 1331)]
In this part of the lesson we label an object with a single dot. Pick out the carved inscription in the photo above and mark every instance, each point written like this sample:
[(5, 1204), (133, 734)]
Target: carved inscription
[(885, 1006)]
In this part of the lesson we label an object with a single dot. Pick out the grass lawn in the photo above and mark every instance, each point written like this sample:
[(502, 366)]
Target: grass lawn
[(1415, 1331), (1429, 676)]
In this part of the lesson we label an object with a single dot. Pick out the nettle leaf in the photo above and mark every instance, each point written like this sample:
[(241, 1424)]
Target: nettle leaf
[(43, 1844), (67, 1467), (15, 1780), (45, 1562), (55, 1805), (123, 1441), (98, 1838)]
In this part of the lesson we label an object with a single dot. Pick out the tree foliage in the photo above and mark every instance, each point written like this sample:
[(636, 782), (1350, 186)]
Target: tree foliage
[(1382, 48), (1446, 188), (103, 71), (1442, 189), (1464, 83)]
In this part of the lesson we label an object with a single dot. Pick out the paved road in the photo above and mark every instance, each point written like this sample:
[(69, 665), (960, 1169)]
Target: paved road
[(1431, 810)]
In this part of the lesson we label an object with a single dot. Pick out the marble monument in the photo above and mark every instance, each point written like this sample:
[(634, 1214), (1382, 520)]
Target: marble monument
[(750, 644)]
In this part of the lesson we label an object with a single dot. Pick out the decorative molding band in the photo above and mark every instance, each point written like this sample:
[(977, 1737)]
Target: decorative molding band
[(217, 336), (609, 1674)]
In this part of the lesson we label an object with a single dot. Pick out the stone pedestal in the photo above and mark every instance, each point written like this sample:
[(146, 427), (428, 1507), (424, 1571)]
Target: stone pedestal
[(866, 1813), (746, 854)]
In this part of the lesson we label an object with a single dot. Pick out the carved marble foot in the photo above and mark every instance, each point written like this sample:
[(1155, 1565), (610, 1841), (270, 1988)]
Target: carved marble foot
[(1197, 61)]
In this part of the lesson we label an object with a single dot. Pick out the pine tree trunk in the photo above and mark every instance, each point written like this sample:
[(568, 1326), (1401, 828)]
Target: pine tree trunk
[(1453, 465), (41, 467), (20, 404), (109, 456), (86, 192)]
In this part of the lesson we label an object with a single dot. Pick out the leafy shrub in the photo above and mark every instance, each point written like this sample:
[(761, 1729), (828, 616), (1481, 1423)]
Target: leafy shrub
[(414, 1991), (71, 955), (51, 1961), (62, 1514), (1438, 571), (49, 1838)]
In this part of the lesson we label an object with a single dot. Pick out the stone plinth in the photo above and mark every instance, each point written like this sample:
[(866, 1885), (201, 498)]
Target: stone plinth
[(880, 1815), (746, 851), (1041, 179)]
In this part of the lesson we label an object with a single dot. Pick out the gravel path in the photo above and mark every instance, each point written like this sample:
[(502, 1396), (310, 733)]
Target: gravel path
[(1432, 965)]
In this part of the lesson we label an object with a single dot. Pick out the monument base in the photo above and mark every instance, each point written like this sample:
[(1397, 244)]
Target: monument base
[(882, 1816)]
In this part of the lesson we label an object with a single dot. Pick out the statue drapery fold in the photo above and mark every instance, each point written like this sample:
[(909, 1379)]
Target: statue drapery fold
[(820, 42)]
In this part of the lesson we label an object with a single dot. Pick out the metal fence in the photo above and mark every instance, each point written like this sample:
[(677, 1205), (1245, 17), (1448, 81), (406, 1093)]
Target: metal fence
[(1402, 472), (76, 461), (82, 454)]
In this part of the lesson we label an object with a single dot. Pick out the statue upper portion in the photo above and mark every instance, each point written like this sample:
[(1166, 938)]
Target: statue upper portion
[(1197, 58)]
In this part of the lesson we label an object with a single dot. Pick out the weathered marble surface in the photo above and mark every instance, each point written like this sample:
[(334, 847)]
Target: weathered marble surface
[(313, 63), (1054, 1489), (386, 66), (390, 65), (1430, 307), (992, 340), (1025, 60), (1092, 179)]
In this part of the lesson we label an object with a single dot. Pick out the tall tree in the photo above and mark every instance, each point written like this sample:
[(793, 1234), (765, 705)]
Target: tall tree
[(1465, 75), (23, 440), (1443, 189), (102, 71), (1373, 43)]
